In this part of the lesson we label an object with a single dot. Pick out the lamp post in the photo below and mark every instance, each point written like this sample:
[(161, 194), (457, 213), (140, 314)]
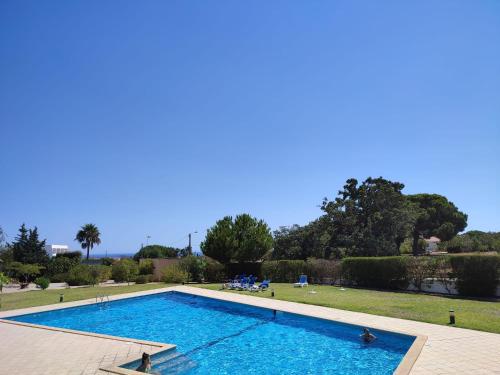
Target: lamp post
[(190, 249), (147, 239)]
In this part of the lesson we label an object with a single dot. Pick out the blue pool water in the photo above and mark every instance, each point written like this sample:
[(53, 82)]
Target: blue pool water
[(216, 337)]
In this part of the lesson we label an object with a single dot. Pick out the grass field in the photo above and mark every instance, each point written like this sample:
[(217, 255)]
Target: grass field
[(478, 315), (20, 300)]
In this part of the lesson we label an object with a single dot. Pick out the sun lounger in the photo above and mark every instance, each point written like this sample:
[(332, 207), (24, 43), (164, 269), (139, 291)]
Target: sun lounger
[(235, 283), (302, 282), (243, 284), (263, 286)]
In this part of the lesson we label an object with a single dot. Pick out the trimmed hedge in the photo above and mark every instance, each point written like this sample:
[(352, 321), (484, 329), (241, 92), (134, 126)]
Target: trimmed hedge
[(284, 271), (476, 275), (250, 268), (377, 272), (324, 271), (288, 271)]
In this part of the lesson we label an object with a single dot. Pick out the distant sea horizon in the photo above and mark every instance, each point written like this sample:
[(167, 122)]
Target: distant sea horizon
[(109, 255), (119, 255)]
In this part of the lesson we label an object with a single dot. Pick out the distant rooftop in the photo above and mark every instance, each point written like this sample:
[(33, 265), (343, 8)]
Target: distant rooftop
[(432, 239)]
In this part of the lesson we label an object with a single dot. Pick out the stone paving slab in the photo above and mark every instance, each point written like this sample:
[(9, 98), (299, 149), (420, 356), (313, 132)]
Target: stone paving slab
[(28, 350), (447, 350)]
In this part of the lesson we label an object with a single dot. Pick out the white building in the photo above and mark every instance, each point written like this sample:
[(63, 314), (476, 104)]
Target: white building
[(53, 250), (432, 244)]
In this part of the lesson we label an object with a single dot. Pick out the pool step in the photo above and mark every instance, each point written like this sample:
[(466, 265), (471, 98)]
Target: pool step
[(173, 364)]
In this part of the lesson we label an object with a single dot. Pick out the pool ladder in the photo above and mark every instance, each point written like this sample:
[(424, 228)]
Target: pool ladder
[(102, 299)]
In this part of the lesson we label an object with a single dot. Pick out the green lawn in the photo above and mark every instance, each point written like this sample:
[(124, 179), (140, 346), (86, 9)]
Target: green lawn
[(479, 315), (20, 300)]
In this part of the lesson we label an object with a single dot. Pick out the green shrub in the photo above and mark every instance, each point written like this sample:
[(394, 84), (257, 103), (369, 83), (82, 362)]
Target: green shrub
[(174, 274), (476, 275), (60, 265), (42, 282), (4, 279), (99, 273), (124, 270), (376, 272), (59, 277), (80, 275), (104, 272), (146, 267), (214, 271), (84, 274), (194, 266), (25, 272), (284, 271), (107, 261), (143, 279), (75, 255)]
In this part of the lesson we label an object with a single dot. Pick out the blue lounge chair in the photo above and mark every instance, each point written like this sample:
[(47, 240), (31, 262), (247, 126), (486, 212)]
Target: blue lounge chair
[(243, 283), (235, 283), (263, 286), (302, 282), (251, 281), (247, 283)]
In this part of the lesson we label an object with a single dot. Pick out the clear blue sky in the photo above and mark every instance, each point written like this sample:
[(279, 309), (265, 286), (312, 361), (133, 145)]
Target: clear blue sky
[(159, 117)]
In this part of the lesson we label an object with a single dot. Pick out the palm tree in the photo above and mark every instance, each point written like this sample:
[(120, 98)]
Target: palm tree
[(88, 236)]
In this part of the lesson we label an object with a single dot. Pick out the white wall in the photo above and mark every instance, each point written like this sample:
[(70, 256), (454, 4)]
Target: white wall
[(438, 287)]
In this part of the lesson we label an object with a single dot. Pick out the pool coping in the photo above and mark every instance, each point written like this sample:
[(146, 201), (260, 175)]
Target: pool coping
[(403, 368)]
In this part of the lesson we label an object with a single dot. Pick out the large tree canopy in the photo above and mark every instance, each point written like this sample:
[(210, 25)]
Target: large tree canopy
[(371, 219), (157, 251), (472, 241), (436, 216), (27, 248), (243, 239), (302, 242), (252, 237), (219, 242)]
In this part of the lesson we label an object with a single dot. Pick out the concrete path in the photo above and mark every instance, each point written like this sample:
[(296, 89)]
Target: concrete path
[(14, 288)]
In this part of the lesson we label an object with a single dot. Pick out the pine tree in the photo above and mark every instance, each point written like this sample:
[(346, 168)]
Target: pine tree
[(28, 248)]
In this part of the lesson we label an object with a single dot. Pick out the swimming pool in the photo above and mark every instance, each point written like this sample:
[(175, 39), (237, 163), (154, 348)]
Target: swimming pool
[(218, 337)]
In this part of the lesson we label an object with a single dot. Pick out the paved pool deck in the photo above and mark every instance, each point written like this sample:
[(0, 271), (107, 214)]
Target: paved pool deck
[(31, 349)]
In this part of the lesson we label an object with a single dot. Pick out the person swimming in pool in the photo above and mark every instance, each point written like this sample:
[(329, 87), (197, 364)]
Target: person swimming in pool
[(367, 336), (145, 364)]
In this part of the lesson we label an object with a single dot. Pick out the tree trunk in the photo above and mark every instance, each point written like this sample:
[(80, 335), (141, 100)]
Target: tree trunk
[(416, 237), (398, 242), (88, 249)]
